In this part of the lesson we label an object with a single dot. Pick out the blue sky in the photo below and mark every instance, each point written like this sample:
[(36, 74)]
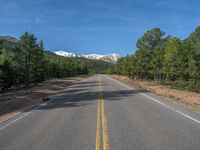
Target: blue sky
[(97, 26)]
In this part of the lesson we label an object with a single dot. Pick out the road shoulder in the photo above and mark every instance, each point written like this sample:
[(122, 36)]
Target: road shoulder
[(15, 104), (185, 99)]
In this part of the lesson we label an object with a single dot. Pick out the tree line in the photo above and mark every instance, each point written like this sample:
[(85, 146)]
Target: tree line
[(164, 59), (25, 63)]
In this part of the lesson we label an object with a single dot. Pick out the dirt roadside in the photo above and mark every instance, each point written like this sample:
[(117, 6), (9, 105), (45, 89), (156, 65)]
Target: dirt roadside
[(190, 100), (14, 103)]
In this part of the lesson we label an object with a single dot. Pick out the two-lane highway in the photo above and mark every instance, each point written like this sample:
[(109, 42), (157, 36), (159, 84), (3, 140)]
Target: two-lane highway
[(101, 113)]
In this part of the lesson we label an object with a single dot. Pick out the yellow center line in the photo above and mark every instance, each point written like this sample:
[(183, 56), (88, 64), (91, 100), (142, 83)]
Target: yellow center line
[(104, 126), (101, 117), (98, 125)]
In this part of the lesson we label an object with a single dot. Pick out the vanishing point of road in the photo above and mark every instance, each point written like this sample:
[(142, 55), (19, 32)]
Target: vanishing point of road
[(100, 113)]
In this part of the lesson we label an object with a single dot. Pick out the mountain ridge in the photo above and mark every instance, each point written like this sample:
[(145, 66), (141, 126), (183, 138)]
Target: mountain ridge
[(9, 39), (113, 57)]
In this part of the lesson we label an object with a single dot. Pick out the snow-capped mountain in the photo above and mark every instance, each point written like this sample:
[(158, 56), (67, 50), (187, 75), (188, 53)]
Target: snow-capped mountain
[(66, 54), (92, 56), (111, 57), (108, 57)]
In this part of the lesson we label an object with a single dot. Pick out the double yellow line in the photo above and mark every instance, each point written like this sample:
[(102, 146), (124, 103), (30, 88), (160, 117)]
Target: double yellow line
[(101, 118)]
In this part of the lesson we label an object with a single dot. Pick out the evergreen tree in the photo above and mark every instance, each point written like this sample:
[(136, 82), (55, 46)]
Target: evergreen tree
[(6, 76), (29, 51), (149, 45)]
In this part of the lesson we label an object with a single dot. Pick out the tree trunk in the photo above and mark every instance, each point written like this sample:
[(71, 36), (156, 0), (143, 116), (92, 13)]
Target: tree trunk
[(26, 71)]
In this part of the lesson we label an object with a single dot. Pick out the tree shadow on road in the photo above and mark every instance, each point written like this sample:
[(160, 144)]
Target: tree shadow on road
[(82, 95)]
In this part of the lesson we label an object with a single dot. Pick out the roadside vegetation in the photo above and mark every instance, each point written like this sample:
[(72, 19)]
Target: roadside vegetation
[(164, 59), (25, 63)]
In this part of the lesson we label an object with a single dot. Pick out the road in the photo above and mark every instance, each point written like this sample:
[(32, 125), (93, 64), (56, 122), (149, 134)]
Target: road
[(100, 113)]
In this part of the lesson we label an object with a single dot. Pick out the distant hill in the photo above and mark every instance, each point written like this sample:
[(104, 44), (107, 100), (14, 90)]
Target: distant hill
[(107, 57), (9, 39)]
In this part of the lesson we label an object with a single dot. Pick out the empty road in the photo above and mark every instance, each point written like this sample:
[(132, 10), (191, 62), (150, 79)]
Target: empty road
[(100, 113)]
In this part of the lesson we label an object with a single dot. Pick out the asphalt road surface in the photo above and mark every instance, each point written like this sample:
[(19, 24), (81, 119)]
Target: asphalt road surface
[(100, 113)]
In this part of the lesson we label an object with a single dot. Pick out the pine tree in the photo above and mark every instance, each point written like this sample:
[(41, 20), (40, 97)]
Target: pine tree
[(148, 45), (28, 46)]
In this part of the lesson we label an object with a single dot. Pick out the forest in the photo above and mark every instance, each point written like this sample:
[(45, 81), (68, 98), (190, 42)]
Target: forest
[(159, 57), (164, 59), (25, 63)]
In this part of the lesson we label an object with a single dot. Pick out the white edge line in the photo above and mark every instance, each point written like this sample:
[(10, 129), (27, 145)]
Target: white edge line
[(22, 116), (11, 122), (40, 105), (161, 103)]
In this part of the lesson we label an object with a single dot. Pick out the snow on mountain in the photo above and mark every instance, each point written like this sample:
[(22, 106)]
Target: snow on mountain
[(92, 56), (108, 57), (111, 57), (66, 54)]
